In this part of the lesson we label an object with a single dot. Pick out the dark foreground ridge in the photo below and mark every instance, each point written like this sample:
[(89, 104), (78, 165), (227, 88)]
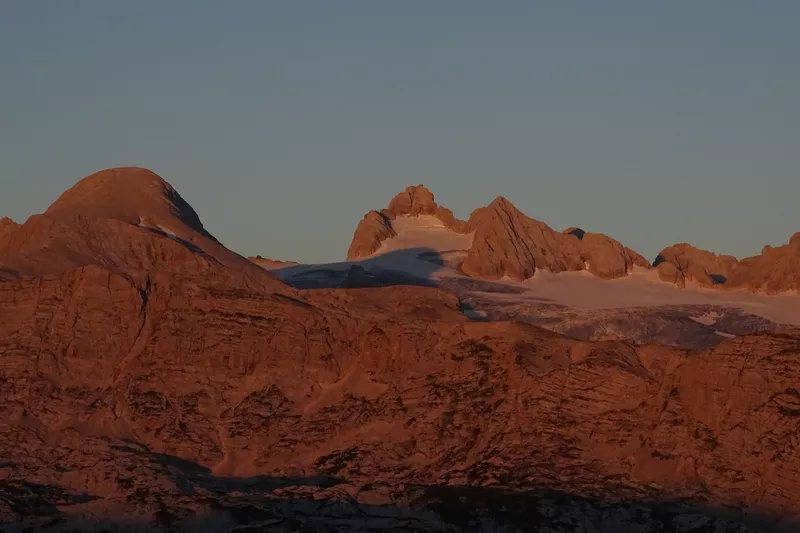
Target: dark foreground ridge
[(192, 499)]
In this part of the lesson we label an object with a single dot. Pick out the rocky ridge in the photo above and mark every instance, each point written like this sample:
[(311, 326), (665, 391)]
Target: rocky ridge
[(505, 243)]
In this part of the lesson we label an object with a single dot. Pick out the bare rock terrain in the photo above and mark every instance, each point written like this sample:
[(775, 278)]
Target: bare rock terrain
[(152, 380), (680, 263), (776, 270)]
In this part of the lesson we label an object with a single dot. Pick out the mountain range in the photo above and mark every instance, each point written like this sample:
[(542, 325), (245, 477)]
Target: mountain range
[(507, 243), (484, 375), (503, 265)]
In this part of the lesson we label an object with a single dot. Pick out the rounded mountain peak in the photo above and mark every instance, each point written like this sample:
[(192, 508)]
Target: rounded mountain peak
[(129, 194)]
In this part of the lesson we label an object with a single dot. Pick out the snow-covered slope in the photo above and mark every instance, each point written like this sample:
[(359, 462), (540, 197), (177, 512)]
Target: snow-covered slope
[(639, 307)]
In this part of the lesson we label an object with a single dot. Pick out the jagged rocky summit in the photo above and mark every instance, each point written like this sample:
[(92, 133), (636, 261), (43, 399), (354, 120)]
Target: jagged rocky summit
[(505, 242)]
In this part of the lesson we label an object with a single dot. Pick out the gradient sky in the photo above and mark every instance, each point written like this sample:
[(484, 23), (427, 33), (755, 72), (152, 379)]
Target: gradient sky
[(282, 123)]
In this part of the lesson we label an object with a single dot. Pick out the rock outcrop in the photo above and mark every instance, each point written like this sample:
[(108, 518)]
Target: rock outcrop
[(272, 264), (376, 226), (373, 229), (508, 243), (775, 270), (682, 262), (418, 200), (607, 258)]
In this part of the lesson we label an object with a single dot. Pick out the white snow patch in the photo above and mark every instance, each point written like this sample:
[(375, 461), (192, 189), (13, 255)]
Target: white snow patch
[(644, 288), (641, 288), (706, 319), (169, 234), (424, 231), (415, 235)]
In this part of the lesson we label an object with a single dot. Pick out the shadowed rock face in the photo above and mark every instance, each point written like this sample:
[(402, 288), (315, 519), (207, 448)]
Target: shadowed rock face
[(194, 391), (373, 229), (578, 232), (682, 262), (508, 243)]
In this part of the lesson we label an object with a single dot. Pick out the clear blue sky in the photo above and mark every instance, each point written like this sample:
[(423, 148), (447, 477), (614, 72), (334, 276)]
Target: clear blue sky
[(282, 123)]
